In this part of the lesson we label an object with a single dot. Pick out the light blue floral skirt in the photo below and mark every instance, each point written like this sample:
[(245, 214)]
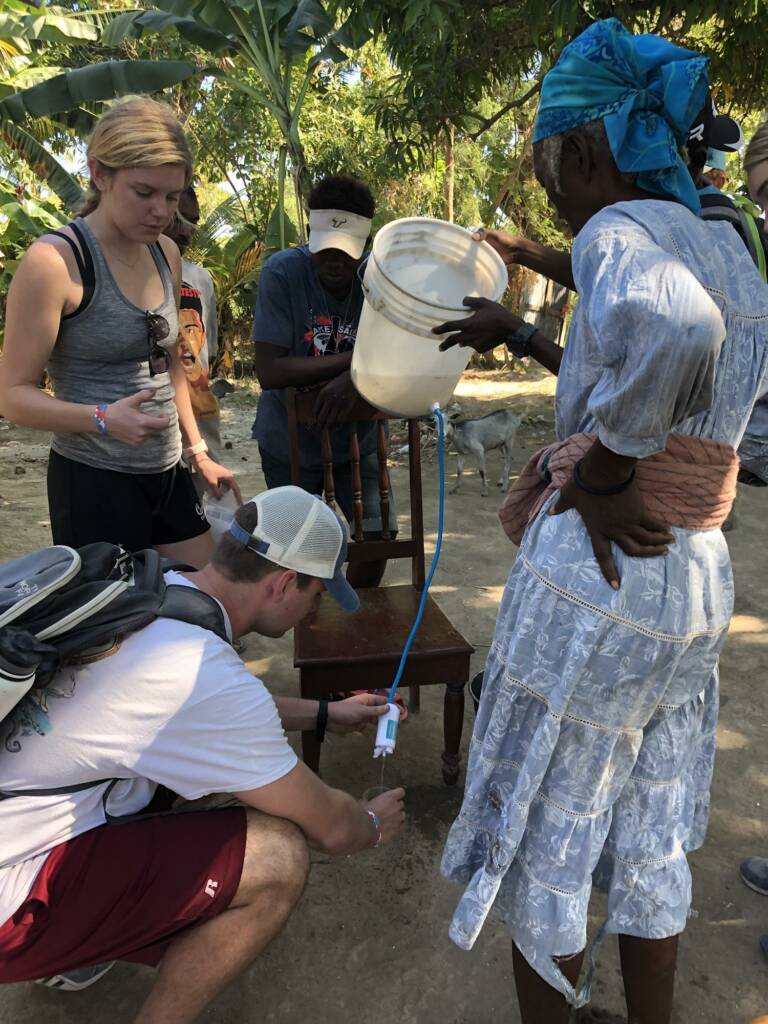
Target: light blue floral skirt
[(594, 743)]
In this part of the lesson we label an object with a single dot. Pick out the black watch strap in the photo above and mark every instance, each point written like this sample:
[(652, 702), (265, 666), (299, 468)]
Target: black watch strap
[(519, 342), (322, 719)]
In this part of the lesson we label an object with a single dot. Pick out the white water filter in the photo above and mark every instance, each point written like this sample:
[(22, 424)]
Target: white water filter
[(386, 732)]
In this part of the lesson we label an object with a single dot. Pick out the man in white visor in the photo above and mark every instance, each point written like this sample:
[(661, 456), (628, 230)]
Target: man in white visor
[(308, 309)]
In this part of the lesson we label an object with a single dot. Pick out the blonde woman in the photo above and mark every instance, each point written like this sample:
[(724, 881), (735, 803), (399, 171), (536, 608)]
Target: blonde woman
[(753, 450), (96, 304)]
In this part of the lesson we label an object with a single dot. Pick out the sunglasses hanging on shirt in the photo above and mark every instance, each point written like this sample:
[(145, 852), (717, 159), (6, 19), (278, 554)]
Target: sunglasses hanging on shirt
[(157, 331)]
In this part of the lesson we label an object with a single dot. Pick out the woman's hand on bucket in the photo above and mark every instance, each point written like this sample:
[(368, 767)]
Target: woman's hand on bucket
[(488, 327), (511, 248)]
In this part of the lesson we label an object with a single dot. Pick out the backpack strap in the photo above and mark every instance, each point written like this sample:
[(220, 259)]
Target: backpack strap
[(160, 804), (84, 261), (52, 791), (749, 214), (188, 604), (740, 216)]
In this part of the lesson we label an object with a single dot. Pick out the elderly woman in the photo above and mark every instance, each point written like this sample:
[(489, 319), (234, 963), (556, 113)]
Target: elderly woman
[(594, 742)]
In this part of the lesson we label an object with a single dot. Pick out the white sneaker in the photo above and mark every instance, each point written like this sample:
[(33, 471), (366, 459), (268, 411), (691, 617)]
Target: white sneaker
[(77, 980)]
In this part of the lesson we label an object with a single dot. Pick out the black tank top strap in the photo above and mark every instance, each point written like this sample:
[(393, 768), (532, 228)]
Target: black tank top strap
[(158, 248), (84, 261)]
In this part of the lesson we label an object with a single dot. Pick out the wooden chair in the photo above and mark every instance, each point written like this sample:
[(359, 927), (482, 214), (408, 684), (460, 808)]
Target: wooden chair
[(336, 651)]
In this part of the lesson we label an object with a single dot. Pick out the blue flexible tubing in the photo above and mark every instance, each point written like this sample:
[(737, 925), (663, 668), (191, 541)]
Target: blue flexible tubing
[(435, 558)]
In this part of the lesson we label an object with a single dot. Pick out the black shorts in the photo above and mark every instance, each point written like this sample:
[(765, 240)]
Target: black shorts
[(136, 510)]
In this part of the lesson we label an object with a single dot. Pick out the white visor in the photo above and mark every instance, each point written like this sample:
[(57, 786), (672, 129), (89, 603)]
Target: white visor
[(338, 229)]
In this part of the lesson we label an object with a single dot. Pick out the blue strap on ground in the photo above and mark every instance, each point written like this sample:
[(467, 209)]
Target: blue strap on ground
[(435, 558)]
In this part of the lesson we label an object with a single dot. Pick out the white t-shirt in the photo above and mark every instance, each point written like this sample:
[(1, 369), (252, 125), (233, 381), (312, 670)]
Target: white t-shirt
[(174, 706), (199, 278)]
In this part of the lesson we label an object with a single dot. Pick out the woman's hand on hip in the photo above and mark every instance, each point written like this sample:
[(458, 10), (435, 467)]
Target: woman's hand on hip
[(620, 518)]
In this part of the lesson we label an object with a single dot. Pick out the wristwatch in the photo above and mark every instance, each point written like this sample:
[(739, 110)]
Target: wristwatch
[(519, 341)]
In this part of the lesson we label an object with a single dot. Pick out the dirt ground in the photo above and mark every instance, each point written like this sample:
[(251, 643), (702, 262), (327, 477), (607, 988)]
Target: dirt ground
[(369, 940)]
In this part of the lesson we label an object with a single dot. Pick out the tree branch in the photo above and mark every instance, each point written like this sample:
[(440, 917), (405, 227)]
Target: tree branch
[(223, 169), (488, 122)]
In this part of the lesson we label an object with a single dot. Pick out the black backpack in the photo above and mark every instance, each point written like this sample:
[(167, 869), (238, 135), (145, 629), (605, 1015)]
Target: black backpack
[(60, 606)]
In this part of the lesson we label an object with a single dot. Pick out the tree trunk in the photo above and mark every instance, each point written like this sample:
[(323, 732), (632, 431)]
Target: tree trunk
[(449, 174)]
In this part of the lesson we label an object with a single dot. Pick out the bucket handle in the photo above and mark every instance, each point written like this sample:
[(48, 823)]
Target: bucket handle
[(361, 267)]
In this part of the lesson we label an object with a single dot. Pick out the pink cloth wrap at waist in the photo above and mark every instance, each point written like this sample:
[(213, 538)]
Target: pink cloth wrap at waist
[(691, 484)]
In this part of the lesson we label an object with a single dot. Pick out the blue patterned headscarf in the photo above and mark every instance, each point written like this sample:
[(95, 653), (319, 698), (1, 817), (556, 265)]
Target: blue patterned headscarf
[(646, 91)]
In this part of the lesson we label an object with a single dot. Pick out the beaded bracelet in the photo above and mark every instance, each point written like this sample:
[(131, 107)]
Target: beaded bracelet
[(377, 825), (100, 417)]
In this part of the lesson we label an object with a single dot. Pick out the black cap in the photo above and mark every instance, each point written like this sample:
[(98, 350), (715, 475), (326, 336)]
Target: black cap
[(715, 131)]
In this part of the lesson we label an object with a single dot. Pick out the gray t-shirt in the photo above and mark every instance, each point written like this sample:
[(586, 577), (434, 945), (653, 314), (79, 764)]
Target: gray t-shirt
[(294, 312)]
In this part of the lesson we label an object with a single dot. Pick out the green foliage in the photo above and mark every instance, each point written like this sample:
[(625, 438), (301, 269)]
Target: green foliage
[(42, 163), (23, 217), (23, 30), (134, 24), (449, 54)]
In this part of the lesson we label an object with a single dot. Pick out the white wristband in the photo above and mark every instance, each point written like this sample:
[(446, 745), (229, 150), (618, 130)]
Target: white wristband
[(194, 449)]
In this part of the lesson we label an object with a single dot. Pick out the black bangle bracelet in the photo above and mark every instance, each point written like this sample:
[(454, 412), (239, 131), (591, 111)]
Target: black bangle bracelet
[(322, 719), (597, 491)]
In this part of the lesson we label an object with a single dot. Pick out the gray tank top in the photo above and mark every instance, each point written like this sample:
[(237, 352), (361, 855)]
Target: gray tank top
[(101, 355)]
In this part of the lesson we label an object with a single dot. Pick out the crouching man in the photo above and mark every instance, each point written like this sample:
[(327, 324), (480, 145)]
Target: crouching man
[(197, 894)]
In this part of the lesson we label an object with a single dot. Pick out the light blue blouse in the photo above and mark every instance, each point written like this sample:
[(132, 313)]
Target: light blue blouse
[(644, 350)]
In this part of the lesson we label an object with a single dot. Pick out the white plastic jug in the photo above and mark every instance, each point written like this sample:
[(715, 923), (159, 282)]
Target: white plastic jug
[(220, 512), (416, 276)]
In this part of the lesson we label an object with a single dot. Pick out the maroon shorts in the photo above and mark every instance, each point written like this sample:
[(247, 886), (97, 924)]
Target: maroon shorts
[(124, 892)]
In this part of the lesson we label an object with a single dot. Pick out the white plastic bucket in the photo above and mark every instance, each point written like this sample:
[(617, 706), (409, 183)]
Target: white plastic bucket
[(416, 277)]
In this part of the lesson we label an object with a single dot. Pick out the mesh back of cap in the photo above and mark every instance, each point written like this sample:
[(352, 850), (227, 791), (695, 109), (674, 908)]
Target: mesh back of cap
[(303, 533)]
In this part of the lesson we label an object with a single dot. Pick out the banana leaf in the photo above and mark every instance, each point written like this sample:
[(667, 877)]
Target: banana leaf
[(133, 24), (43, 164), (272, 236), (239, 244), (46, 28), (214, 14), (310, 14), (104, 81)]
